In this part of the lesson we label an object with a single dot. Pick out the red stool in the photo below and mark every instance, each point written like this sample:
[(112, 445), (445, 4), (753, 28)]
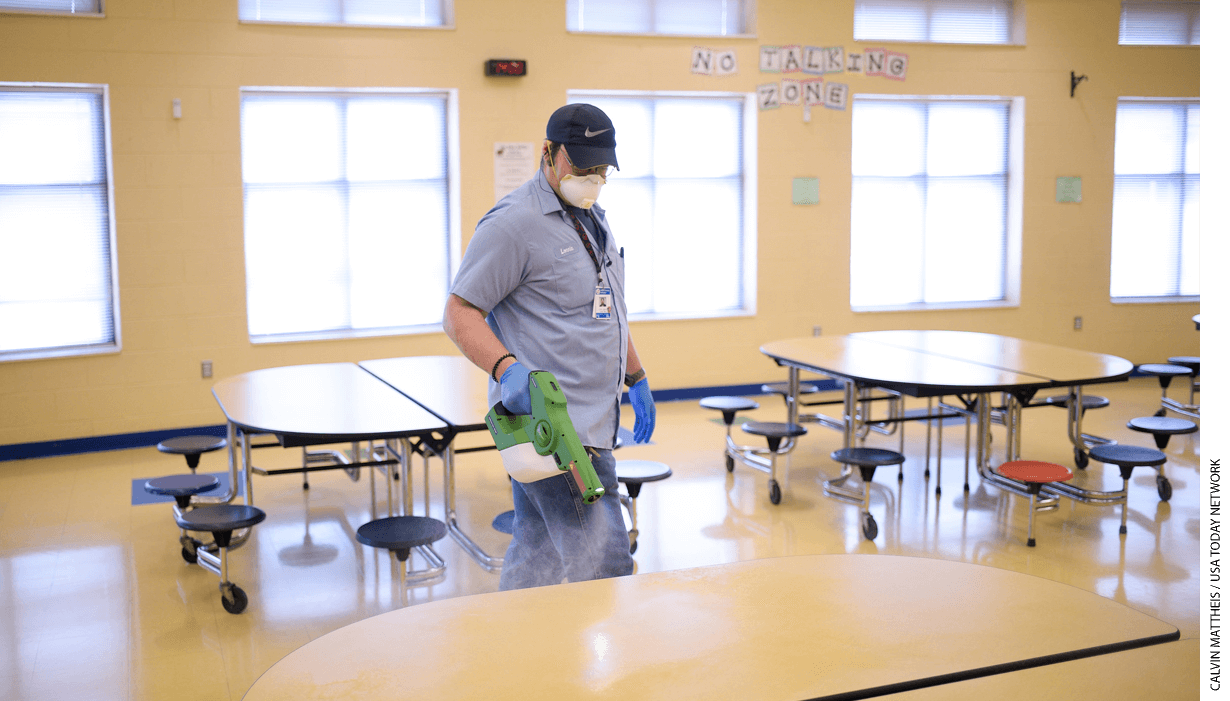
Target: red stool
[(1034, 474)]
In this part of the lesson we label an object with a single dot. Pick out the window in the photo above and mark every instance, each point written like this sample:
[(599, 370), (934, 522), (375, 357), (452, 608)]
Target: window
[(688, 17), (1155, 224), (682, 204), (349, 212), (1157, 23), (66, 7), (57, 233), (381, 13), (934, 209), (938, 21)]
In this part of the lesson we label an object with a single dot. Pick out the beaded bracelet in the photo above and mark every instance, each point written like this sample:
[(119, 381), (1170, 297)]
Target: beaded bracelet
[(497, 365)]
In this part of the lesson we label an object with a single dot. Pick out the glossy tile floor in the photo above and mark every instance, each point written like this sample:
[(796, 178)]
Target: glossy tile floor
[(96, 603)]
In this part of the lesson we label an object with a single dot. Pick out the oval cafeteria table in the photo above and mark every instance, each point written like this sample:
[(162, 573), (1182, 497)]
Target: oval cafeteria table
[(792, 628)]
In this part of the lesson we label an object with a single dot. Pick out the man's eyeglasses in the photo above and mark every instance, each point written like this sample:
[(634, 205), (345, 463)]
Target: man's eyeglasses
[(601, 171)]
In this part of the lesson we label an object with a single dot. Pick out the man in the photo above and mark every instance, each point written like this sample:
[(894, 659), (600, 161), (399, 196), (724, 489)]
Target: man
[(545, 266)]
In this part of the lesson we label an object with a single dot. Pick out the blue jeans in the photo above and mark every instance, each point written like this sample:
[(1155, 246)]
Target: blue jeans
[(557, 535)]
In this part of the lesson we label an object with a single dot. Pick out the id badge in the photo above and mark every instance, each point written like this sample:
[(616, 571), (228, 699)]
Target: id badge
[(602, 303)]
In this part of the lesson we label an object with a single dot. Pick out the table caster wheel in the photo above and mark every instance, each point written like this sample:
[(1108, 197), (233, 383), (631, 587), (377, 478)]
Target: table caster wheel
[(188, 555), (870, 529), (730, 463), (237, 602), (1081, 458), (1163, 488), (775, 492)]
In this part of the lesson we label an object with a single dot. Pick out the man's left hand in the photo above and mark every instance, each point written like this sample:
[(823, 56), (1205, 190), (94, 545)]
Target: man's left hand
[(646, 413)]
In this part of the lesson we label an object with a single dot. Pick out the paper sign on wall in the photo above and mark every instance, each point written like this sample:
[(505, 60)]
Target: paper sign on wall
[(515, 163), (706, 61)]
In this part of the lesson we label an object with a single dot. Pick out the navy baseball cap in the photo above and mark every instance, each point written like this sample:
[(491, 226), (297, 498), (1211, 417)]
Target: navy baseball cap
[(587, 132)]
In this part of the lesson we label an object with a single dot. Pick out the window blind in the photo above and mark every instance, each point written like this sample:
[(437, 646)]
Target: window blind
[(400, 13), (689, 17), (57, 294), (938, 21), (679, 196), (346, 212), (1159, 23), (928, 218), (77, 7), (1155, 220)]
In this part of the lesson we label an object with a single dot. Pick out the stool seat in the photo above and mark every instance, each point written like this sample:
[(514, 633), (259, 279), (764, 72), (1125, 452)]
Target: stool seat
[(181, 485), (191, 447), (504, 522), (641, 471), (867, 457), (1164, 370), (400, 532), (1088, 401), (783, 388), (774, 429), (1127, 455), (729, 406), (1035, 471), (220, 517), (1162, 428), (1188, 361)]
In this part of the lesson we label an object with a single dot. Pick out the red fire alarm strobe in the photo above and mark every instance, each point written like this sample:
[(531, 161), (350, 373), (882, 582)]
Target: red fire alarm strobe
[(505, 66)]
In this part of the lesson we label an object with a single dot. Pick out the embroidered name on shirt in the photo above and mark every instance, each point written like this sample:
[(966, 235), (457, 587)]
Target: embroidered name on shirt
[(570, 249)]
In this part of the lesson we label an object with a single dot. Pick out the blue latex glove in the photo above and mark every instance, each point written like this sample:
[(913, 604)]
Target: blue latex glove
[(515, 389), (646, 412)]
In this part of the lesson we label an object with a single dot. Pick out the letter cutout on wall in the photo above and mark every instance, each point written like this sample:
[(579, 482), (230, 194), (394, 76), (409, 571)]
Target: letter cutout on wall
[(770, 59), (702, 60), (792, 92), (813, 60), (835, 95), (792, 62), (895, 65), (875, 61), (726, 63), (854, 63), (768, 96), (813, 92), (834, 59)]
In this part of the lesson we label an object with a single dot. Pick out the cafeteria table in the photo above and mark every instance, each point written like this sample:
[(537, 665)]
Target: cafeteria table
[(455, 391), (314, 405), (807, 627), (968, 365)]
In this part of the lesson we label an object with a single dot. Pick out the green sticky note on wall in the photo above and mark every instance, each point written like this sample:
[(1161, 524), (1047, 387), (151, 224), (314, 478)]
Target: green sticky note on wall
[(1068, 189), (805, 191)]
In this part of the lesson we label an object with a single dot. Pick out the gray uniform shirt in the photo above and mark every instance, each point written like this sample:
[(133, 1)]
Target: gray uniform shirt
[(527, 265)]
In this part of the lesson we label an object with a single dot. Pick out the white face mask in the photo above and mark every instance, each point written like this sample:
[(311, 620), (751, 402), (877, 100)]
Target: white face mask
[(581, 192)]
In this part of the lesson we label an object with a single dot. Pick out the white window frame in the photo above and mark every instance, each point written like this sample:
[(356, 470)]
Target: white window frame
[(1016, 31), (1159, 299), (117, 344), (447, 21), (1193, 20), (749, 26), (102, 8), (748, 261), (453, 160), (1015, 207)]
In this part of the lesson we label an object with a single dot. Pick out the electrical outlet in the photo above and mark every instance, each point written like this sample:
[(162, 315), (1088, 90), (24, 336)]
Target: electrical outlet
[(815, 330), (1078, 323), (207, 369)]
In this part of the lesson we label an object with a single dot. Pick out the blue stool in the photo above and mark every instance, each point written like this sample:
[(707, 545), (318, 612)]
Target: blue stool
[(191, 447), (1128, 457), (222, 520), (398, 534), (866, 460), (182, 487)]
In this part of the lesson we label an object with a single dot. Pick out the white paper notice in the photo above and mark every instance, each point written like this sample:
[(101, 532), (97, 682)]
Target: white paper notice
[(515, 163)]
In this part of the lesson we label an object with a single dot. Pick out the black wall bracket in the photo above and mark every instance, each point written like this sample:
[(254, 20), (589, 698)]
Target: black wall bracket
[(1076, 80)]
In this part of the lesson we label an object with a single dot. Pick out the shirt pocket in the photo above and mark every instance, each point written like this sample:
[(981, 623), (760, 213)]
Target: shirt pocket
[(574, 278)]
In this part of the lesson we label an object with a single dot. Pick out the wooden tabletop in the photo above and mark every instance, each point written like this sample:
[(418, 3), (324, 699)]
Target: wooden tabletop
[(1168, 671), (449, 386), (316, 404), (782, 628), (929, 363)]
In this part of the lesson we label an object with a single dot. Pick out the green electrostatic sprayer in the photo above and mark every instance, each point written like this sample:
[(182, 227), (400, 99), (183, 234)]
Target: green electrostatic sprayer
[(550, 429)]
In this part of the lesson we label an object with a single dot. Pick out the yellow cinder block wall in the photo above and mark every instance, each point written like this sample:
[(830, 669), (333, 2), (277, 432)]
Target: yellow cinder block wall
[(179, 193)]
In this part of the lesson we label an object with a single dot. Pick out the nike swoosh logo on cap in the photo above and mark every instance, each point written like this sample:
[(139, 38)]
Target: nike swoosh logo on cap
[(590, 134)]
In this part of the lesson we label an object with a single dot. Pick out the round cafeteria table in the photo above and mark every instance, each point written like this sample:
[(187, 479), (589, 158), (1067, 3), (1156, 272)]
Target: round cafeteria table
[(780, 628)]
